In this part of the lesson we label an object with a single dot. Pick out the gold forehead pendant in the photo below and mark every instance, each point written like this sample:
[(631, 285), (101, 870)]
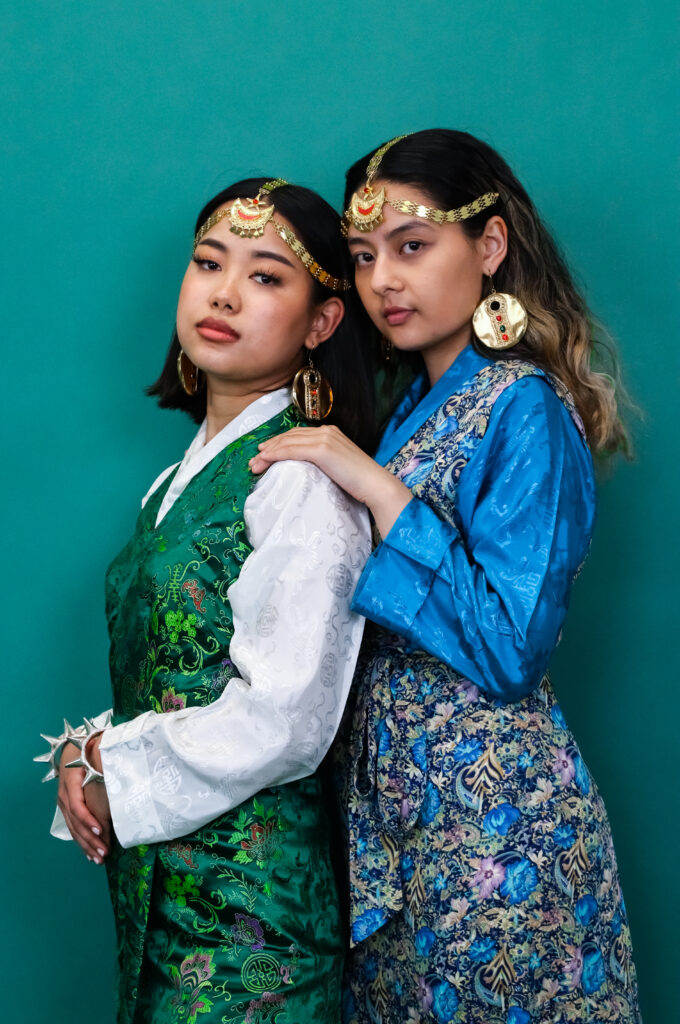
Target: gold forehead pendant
[(366, 208), (249, 217)]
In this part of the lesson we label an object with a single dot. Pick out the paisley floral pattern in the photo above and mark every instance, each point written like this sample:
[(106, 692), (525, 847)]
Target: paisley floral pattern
[(484, 886), (238, 921)]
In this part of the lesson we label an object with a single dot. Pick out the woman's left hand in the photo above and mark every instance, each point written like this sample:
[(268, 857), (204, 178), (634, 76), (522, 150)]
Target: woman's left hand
[(96, 797), (345, 463)]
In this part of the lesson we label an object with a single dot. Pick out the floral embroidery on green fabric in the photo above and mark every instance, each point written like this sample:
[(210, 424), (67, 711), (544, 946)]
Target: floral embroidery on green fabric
[(177, 623), (204, 919), (179, 888), (259, 835), (192, 980)]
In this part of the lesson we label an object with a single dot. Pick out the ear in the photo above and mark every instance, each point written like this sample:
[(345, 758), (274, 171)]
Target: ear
[(326, 320), (493, 244)]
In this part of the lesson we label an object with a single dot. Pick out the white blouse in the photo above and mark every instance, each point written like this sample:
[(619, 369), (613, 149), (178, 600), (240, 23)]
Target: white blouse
[(295, 645)]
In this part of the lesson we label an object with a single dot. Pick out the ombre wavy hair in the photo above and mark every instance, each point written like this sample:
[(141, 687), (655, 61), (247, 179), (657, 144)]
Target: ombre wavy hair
[(563, 338)]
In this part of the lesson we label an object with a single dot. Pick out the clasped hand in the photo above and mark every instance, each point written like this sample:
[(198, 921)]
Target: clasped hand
[(86, 811)]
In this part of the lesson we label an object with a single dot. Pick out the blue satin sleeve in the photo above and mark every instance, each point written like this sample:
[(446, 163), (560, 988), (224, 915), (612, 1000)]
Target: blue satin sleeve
[(487, 591)]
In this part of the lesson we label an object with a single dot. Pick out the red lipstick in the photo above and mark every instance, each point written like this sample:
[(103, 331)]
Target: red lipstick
[(216, 330)]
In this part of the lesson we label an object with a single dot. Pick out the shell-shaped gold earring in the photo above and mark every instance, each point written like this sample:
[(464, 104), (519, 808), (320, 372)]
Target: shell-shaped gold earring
[(499, 320)]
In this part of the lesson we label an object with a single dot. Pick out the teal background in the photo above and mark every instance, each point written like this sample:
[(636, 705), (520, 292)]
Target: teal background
[(119, 121)]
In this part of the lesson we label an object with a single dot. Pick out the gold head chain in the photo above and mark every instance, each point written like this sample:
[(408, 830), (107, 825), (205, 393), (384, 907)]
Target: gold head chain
[(249, 218), (366, 206)]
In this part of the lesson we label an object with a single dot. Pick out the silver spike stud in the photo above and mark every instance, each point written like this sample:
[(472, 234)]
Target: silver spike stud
[(81, 741), (56, 743)]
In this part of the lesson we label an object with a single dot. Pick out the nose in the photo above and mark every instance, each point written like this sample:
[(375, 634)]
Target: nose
[(225, 294), (384, 276)]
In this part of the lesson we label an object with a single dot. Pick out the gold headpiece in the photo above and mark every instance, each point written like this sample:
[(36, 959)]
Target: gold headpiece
[(249, 218), (365, 208)]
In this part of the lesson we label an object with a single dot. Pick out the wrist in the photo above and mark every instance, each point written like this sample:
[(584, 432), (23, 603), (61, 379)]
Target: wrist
[(388, 502), (92, 751)]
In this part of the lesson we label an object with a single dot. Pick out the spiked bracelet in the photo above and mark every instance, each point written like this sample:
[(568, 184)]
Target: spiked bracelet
[(92, 774), (57, 743), (80, 737)]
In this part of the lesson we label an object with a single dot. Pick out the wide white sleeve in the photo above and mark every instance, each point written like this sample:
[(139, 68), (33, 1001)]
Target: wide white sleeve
[(295, 645)]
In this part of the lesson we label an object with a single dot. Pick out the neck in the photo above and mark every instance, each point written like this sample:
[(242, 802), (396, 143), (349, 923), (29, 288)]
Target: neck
[(438, 360), (223, 407)]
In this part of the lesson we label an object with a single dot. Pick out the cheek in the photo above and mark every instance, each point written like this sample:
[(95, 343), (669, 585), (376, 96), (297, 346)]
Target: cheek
[(282, 324), (362, 283), (184, 298), (462, 289)]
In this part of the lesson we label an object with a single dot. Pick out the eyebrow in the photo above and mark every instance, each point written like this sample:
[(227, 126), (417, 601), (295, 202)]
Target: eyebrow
[(259, 254), (265, 254), (409, 225)]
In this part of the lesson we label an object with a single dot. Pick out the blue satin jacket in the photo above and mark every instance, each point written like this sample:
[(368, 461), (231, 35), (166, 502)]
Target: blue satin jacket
[(478, 570)]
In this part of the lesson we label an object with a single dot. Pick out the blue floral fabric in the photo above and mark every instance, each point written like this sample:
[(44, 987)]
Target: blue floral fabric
[(484, 886)]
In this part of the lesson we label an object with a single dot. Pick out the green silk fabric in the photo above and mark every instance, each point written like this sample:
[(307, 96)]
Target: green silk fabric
[(238, 921)]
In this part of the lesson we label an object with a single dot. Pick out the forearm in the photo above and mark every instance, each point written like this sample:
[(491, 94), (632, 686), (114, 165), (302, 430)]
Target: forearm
[(169, 774), (386, 499), (423, 583)]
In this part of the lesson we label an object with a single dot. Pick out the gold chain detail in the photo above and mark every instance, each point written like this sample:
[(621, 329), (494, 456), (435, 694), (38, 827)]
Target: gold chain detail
[(215, 217), (374, 162), (269, 186), (336, 284), (444, 216)]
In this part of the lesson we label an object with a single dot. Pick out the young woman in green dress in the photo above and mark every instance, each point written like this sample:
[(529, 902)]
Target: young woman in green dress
[(232, 641)]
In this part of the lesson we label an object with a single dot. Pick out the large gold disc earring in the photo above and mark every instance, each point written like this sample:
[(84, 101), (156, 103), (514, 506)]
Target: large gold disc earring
[(187, 373), (499, 320), (312, 393)]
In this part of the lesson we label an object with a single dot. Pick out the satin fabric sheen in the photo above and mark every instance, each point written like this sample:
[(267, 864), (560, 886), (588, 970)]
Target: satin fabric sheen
[(238, 920), (483, 882)]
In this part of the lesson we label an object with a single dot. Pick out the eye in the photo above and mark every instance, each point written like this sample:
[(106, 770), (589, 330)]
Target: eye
[(205, 264), (410, 247), (265, 277), (362, 259)]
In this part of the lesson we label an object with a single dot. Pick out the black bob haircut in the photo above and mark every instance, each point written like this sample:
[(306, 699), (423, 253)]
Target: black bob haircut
[(347, 358)]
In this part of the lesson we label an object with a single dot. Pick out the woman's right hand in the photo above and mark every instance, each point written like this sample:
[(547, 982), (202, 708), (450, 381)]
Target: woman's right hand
[(93, 836), (345, 463)]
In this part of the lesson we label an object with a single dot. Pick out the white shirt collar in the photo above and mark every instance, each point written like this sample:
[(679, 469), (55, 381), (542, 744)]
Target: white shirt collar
[(199, 454)]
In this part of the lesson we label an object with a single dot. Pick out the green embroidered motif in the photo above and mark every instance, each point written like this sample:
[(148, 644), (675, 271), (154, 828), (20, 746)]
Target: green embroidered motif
[(179, 888), (259, 835)]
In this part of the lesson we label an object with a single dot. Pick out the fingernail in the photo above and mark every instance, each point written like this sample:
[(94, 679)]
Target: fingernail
[(88, 856), (96, 860), (102, 853), (97, 831)]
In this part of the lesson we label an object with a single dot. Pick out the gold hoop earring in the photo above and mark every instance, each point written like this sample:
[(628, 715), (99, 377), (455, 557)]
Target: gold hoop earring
[(187, 373), (312, 393), (499, 320)]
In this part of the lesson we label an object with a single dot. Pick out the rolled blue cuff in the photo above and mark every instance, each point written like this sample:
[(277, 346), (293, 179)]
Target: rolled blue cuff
[(398, 576)]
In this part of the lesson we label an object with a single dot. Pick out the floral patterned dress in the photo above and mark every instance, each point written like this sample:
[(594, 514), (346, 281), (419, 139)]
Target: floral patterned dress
[(484, 886), (236, 922)]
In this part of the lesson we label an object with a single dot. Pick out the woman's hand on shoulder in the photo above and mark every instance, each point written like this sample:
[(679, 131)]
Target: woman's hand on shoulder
[(85, 813), (345, 463)]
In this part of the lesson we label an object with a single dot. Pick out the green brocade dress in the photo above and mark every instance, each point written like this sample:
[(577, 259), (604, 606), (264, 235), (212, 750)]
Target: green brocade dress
[(239, 920)]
